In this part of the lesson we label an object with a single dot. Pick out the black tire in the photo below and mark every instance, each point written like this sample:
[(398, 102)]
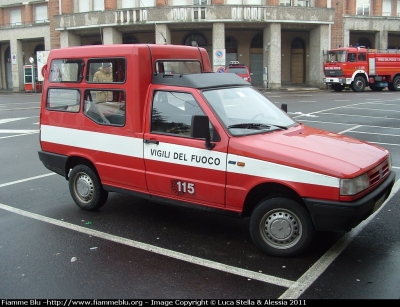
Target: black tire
[(338, 87), (86, 189), (395, 85), (376, 89), (358, 84), (281, 227)]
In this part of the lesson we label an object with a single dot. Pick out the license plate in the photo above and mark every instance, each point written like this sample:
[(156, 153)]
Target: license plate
[(379, 202)]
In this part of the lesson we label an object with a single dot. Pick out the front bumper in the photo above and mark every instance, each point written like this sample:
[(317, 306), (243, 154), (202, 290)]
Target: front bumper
[(329, 80), (343, 216)]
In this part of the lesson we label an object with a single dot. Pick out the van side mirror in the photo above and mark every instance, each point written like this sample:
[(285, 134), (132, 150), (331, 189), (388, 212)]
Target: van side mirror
[(284, 107), (201, 130)]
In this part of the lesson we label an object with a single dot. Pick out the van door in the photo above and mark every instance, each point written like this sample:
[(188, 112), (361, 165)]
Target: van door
[(177, 165)]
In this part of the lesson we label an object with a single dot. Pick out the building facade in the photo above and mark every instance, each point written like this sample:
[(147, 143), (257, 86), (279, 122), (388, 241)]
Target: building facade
[(281, 41)]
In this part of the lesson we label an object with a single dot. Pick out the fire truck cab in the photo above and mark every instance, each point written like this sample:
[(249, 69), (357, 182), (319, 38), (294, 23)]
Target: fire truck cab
[(153, 121), (358, 67)]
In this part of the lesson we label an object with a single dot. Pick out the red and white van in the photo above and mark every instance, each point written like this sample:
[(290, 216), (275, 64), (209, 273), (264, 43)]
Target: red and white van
[(173, 131)]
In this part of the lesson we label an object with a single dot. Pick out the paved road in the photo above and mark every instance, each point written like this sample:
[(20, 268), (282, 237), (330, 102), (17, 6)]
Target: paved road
[(135, 249)]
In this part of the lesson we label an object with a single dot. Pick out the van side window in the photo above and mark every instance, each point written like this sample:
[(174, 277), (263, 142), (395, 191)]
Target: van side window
[(107, 70), (67, 100), (171, 67), (65, 70), (172, 112), (110, 112)]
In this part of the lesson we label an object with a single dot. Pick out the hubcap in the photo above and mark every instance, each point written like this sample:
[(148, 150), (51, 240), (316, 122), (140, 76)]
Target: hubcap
[(281, 228), (84, 187)]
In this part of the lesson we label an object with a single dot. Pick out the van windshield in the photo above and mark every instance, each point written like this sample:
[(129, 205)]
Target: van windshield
[(243, 110)]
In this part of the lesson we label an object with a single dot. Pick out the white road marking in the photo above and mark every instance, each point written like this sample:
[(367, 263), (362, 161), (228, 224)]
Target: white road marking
[(154, 249), (13, 136), (357, 115), (308, 278), (9, 120), (13, 109), (303, 114), (370, 133), (26, 179), (18, 131), (370, 109)]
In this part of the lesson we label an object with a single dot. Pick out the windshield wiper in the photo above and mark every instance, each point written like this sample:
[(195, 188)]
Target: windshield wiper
[(255, 126)]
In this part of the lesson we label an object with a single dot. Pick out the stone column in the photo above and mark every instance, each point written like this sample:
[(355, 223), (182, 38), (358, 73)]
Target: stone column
[(111, 36), (162, 34), (346, 36), (47, 40), (17, 65), (319, 41), (218, 45), (68, 39), (272, 54), (381, 39)]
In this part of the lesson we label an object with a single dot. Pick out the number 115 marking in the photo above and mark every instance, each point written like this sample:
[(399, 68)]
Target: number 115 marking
[(182, 187), (185, 187)]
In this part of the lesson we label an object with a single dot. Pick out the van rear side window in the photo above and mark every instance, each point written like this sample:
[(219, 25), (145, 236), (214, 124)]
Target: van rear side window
[(107, 70), (67, 100), (109, 109), (66, 71)]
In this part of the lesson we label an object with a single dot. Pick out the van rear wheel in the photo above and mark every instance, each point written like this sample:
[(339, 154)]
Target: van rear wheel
[(86, 189), (281, 227)]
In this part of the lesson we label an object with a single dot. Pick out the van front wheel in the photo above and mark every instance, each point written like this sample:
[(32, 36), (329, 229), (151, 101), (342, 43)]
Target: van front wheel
[(281, 227), (86, 189)]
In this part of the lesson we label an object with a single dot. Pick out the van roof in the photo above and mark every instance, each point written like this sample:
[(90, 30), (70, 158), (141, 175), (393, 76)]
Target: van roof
[(200, 81)]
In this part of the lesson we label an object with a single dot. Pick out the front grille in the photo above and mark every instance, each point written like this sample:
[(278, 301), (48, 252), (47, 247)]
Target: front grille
[(332, 72), (379, 172)]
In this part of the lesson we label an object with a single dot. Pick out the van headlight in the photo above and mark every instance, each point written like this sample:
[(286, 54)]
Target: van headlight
[(354, 186)]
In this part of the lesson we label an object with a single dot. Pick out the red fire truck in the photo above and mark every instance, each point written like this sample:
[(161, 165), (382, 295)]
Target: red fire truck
[(358, 67)]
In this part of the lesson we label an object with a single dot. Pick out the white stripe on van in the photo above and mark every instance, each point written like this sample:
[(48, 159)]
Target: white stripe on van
[(181, 155), (255, 167), (117, 144)]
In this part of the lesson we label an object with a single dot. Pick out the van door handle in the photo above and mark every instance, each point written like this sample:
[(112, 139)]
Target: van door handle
[(151, 142)]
